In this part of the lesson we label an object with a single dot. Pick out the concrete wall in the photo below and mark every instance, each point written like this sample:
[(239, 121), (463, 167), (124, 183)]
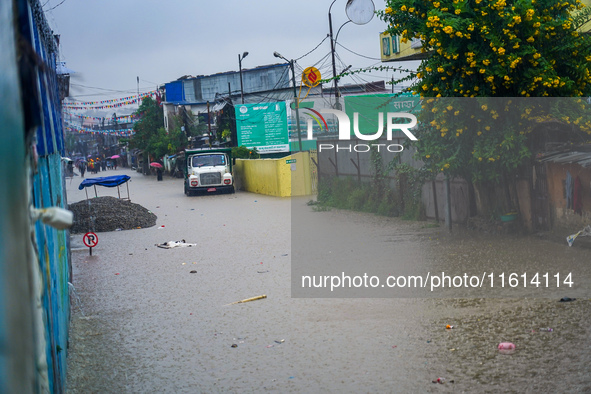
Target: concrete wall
[(275, 177), (560, 215)]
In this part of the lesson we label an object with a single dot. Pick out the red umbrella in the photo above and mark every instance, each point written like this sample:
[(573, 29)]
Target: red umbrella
[(157, 165), (115, 157)]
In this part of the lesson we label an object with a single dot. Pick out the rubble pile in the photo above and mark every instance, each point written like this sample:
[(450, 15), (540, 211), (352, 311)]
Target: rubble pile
[(102, 214)]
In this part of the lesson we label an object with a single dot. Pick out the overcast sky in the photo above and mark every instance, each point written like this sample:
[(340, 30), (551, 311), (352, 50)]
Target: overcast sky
[(111, 42)]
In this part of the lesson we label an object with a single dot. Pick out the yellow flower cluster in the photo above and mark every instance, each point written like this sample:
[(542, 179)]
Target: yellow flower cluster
[(499, 5), (433, 21), (515, 62)]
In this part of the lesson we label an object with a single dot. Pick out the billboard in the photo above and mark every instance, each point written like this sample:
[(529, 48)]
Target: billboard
[(262, 126)]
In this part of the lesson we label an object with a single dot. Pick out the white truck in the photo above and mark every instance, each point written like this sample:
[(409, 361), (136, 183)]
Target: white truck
[(208, 171)]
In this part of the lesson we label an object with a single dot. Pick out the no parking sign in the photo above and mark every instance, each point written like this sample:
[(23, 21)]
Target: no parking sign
[(90, 240)]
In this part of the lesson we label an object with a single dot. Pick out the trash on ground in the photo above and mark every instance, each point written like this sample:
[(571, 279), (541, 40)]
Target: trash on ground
[(586, 232), (262, 272), (248, 299), (449, 327), (506, 346), (234, 345), (566, 299), (546, 329), (193, 272), (175, 244), (439, 380), (280, 341)]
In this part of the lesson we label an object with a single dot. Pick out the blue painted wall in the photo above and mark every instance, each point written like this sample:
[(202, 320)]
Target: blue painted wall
[(34, 258)]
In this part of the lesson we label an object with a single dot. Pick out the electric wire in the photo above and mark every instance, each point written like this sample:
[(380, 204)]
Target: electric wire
[(355, 53), (53, 8), (316, 47)]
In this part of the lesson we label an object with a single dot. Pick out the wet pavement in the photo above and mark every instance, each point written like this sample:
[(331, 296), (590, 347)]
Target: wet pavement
[(147, 319)]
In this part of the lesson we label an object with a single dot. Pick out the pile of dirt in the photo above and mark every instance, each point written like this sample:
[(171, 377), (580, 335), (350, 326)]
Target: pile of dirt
[(109, 214)]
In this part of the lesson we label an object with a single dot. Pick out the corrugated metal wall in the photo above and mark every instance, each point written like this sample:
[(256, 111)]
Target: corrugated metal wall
[(35, 258)]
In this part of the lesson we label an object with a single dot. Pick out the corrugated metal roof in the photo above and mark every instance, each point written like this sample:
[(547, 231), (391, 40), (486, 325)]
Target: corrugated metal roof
[(577, 154)]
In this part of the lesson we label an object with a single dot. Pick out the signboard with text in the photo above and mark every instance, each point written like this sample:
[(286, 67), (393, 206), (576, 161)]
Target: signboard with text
[(263, 126)]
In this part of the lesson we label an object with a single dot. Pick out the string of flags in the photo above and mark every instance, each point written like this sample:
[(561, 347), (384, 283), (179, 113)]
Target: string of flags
[(104, 104), (123, 119), (84, 130)]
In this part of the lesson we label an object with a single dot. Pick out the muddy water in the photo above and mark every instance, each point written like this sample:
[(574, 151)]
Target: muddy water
[(145, 323)]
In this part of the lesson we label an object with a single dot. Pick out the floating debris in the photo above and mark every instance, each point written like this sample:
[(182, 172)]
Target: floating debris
[(248, 299)]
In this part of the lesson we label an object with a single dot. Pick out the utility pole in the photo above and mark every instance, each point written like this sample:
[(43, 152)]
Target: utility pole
[(232, 118), (359, 12), (295, 98), (240, 71), (209, 124), (138, 92), (297, 106), (337, 104)]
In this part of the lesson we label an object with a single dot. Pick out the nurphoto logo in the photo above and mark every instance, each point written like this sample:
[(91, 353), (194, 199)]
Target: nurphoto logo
[(345, 130)]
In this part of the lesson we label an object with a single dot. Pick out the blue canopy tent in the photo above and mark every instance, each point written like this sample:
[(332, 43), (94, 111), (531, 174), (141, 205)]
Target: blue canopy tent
[(107, 181)]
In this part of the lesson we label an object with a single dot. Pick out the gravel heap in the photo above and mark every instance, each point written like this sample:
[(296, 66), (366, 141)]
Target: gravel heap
[(102, 214)]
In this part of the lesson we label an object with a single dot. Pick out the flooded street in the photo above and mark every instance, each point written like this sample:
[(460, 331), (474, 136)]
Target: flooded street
[(147, 319)]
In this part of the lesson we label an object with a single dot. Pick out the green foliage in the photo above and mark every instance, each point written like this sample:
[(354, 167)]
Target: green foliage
[(480, 139), (503, 48), (242, 152), (410, 181), (486, 48), (151, 137), (348, 194)]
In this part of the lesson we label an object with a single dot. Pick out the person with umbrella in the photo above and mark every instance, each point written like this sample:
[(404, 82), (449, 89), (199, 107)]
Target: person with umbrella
[(158, 167)]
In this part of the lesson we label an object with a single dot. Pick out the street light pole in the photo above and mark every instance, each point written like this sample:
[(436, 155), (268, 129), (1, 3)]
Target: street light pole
[(337, 104), (295, 98), (359, 12), (240, 70)]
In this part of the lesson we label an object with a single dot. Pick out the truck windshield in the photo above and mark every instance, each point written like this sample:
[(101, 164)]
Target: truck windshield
[(208, 160)]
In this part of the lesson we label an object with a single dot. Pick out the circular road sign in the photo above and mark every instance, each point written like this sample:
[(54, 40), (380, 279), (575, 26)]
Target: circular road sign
[(311, 77), (90, 240)]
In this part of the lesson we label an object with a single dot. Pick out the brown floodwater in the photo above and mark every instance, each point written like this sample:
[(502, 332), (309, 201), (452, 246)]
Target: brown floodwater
[(143, 322)]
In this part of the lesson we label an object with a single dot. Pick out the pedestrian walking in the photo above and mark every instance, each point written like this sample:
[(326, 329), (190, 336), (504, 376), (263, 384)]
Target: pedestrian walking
[(82, 168)]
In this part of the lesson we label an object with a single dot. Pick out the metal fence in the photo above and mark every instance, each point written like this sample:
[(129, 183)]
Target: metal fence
[(352, 159)]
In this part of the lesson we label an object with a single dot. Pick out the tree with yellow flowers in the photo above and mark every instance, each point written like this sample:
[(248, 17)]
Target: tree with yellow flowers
[(486, 52), (503, 48)]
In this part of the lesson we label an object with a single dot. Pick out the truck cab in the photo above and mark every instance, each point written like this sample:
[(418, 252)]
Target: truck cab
[(208, 171)]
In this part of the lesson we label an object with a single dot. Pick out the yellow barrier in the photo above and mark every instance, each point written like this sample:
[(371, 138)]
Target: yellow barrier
[(285, 177)]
